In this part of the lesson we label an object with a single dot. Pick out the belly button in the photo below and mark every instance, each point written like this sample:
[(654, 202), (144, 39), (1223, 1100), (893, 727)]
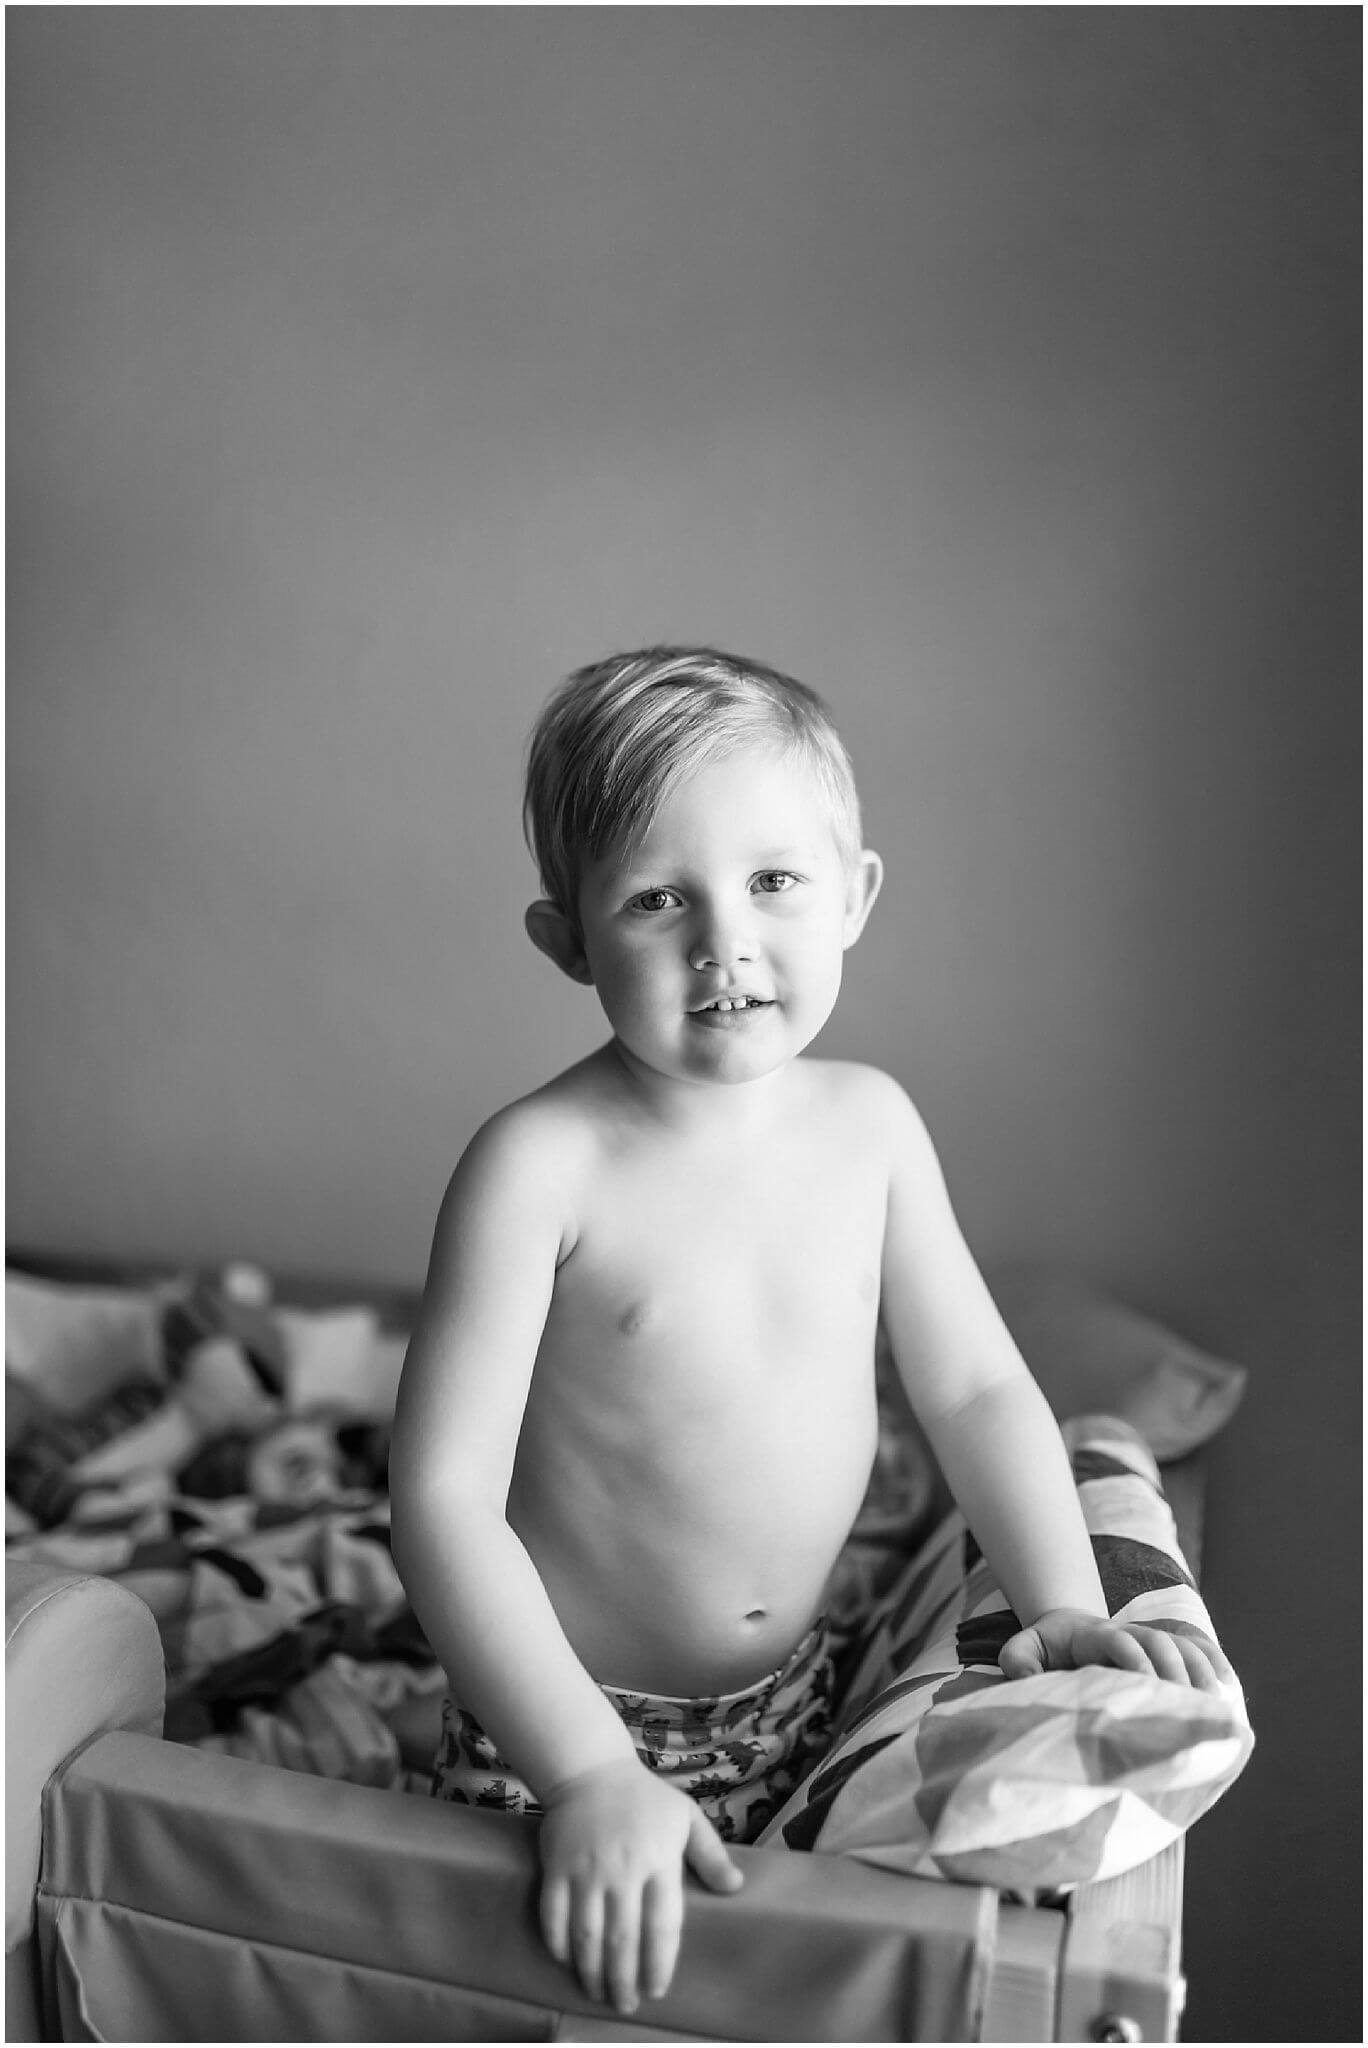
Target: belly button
[(756, 1614)]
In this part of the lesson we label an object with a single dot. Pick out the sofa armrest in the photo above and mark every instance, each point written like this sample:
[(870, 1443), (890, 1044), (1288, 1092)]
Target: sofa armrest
[(82, 1658)]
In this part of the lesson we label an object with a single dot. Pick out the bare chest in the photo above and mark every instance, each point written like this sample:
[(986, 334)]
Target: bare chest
[(733, 1267)]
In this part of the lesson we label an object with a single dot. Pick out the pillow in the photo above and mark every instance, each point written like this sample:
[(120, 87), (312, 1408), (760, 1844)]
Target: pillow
[(337, 1361), (1093, 1356), (942, 1767), (77, 1345)]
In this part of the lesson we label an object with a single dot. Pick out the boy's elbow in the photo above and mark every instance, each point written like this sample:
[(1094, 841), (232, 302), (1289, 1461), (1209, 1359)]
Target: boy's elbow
[(407, 1528), (439, 1511), (428, 1551)]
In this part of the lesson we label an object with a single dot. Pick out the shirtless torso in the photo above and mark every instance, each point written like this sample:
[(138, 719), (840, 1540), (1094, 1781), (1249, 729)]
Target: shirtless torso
[(701, 1420)]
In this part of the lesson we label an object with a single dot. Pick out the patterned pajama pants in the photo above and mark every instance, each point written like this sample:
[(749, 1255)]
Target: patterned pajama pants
[(738, 1754)]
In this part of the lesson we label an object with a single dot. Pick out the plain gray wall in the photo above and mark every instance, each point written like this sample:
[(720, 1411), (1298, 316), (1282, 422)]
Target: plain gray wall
[(994, 369)]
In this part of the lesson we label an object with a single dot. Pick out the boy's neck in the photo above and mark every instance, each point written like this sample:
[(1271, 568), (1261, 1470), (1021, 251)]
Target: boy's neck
[(701, 1108)]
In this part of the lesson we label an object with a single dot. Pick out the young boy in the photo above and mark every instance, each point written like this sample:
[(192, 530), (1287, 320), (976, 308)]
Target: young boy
[(637, 1417)]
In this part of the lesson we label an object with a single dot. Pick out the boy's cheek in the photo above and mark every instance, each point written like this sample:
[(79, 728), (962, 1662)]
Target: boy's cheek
[(622, 998)]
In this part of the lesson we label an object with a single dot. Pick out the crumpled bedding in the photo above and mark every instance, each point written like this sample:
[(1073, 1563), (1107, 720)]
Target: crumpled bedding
[(258, 1536), (286, 1632)]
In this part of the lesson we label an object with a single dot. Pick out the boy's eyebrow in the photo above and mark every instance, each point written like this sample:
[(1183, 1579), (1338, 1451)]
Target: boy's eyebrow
[(634, 865)]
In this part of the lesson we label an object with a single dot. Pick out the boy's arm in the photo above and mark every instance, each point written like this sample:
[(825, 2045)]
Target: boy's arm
[(472, 1585), (613, 1840), (992, 1430)]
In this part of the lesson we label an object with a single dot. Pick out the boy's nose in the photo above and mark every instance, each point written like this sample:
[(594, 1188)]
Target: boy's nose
[(724, 943)]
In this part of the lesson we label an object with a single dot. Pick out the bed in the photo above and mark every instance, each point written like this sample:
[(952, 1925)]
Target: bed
[(221, 1713)]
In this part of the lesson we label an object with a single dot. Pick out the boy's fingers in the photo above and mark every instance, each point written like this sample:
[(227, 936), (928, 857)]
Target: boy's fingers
[(555, 1917), (707, 1857), (1123, 1650), (1152, 1652), (662, 1921), (1021, 1655), (1209, 1666), (1165, 1656), (621, 1946), (1200, 1669), (586, 1938)]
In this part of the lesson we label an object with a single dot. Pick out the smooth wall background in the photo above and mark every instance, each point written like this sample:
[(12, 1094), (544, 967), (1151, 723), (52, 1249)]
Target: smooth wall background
[(994, 369)]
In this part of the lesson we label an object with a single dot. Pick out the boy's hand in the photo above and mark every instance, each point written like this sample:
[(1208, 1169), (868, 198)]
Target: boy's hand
[(613, 1845), (1065, 1637)]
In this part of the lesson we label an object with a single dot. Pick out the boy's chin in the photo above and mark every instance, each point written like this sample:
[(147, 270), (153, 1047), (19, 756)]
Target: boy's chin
[(720, 1058)]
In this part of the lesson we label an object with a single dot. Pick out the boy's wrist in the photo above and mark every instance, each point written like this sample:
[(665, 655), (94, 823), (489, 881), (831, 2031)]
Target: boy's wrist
[(1077, 1609), (1065, 1614), (611, 1763)]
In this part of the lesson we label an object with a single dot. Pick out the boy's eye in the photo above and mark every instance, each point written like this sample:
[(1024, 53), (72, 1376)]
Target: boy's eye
[(655, 899), (774, 881)]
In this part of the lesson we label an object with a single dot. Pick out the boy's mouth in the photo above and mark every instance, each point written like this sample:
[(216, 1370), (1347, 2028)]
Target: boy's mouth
[(730, 1006)]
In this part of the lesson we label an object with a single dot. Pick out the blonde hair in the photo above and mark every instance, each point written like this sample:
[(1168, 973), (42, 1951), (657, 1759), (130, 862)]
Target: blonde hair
[(616, 735)]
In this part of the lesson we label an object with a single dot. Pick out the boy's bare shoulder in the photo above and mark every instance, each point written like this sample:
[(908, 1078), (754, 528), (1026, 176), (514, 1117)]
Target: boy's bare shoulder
[(861, 1090), (878, 1114), (549, 1133), (521, 1177)]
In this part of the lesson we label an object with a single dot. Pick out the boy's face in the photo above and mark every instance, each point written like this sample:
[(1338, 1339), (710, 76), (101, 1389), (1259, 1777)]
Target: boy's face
[(737, 894)]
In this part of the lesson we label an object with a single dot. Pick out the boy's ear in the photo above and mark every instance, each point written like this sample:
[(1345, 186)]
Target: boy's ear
[(865, 884), (552, 933)]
